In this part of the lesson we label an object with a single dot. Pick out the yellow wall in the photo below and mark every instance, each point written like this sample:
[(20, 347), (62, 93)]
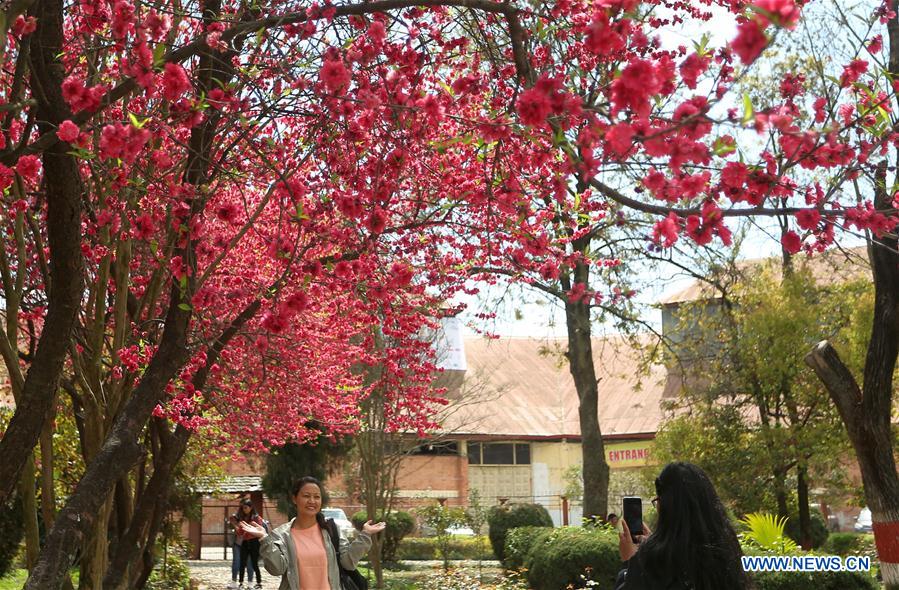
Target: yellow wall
[(558, 457)]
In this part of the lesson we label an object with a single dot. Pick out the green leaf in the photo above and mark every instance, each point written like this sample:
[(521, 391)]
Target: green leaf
[(184, 307), (135, 121), (748, 112), (722, 147), (158, 53)]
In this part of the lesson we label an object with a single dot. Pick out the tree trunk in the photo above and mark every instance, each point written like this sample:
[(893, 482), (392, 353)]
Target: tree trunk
[(119, 453), (64, 192), (95, 554), (780, 493), (136, 538), (580, 362), (29, 512), (805, 520), (866, 411)]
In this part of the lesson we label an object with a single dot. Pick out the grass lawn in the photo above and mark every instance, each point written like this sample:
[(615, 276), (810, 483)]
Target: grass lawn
[(15, 579)]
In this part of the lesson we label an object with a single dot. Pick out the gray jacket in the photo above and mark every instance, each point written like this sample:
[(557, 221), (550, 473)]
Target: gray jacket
[(280, 558)]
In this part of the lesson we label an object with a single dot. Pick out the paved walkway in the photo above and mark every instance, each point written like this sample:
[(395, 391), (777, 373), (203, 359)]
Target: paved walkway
[(215, 574)]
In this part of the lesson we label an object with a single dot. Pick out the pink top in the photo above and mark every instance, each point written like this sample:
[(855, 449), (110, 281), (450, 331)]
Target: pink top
[(312, 561)]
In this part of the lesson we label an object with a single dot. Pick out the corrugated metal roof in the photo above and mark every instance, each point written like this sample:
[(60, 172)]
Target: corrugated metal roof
[(521, 387), (229, 484)]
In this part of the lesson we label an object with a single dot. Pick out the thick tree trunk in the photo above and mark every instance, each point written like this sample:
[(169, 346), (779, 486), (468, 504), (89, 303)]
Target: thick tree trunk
[(136, 539), (64, 192), (119, 454), (580, 362), (866, 411), (95, 554)]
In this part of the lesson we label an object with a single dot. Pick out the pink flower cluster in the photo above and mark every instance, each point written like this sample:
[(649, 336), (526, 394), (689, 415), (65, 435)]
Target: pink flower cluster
[(81, 98), (122, 141)]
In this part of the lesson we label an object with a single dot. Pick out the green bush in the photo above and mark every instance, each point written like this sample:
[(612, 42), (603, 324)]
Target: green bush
[(13, 526), (170, 573), (813, 581), (842, 544), (503, 518), (817, 528), (421, 548), (519, 542), (399, 524), (570, 556)]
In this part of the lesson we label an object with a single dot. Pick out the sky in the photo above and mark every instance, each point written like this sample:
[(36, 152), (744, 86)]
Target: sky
[(523, 312)]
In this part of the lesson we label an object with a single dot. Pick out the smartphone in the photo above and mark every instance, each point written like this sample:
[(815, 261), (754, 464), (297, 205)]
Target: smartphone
[(632, 513)]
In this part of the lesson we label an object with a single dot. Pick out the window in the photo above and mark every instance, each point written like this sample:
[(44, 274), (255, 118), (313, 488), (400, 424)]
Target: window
[(437, 448), (522, 453), (474, 453), (499, 453)]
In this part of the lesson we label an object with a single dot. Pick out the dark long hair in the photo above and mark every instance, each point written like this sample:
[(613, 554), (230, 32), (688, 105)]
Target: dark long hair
[(694, 540), (240, 515), (298, 485)]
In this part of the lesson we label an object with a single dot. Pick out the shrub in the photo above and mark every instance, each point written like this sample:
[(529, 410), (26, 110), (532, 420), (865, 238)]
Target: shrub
[(813, 581), (13, 526), (842, 544), (503, 518), (170, 573), (571, 556), (519, 542), (817, 528), (420, 548), (399, 524)]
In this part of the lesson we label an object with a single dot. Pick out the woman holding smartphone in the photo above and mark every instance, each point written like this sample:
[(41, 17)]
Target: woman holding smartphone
[(694, 546), (301, 551)]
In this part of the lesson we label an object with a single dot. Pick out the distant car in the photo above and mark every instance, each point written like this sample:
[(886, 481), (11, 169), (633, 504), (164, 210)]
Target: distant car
[(343, 523), (864, 524), (459, 531)]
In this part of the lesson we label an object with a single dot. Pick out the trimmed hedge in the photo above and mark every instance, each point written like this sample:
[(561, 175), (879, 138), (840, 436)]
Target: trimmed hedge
[(813, 581), (425, 548), (842, 544), (519, 542), (569, 556), (501, 519), (563, 556), (399, 524)]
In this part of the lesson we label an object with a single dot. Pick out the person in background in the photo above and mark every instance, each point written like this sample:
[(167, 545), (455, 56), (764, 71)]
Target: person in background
[(235, 557), (694, 546), (612, 519), (249, 545), (302, 552)]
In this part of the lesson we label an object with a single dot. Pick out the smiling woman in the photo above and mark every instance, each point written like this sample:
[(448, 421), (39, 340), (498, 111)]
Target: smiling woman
[(309, 552)]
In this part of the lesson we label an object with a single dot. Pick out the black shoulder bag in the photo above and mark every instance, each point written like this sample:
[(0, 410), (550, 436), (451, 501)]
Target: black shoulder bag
[(349, 579)]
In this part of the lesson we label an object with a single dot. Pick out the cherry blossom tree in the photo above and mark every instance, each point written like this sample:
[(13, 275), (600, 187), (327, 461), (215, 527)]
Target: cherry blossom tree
[(232, 193)]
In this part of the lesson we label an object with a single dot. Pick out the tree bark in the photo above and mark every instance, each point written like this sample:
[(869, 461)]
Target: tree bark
[(64, 193), (866, 410), (138, 540), (805, 520), (29, 512), (580, 363)]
